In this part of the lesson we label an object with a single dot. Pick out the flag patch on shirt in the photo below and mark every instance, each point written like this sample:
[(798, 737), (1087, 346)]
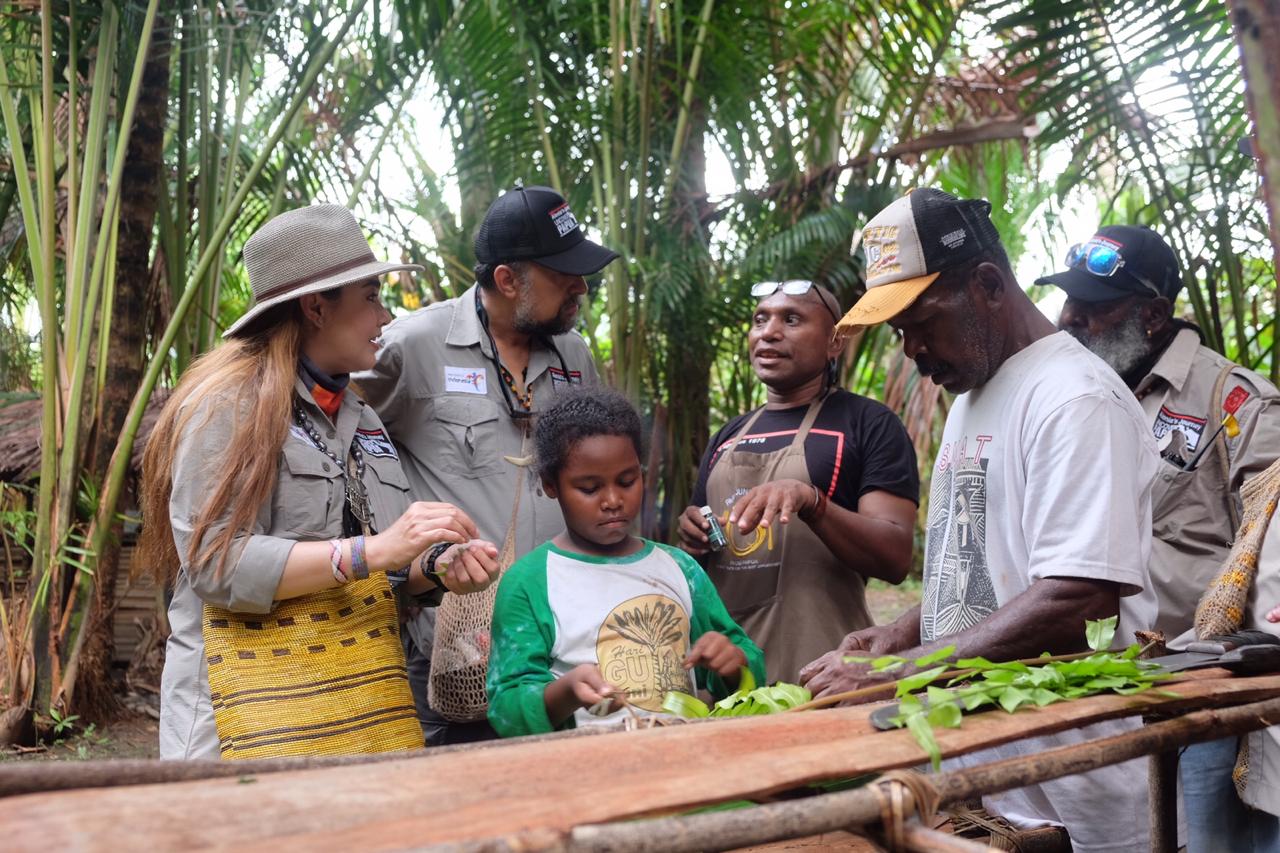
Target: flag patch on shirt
[(375, 442), (559, 378), (1168, 420), (467, 380), (1235, 400)]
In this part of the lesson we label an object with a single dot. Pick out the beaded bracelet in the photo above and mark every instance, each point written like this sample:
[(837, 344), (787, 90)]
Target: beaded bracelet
[(359, 565), (335, 561)]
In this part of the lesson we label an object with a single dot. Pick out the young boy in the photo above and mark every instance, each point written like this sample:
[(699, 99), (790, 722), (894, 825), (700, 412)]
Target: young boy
[(597, 613)]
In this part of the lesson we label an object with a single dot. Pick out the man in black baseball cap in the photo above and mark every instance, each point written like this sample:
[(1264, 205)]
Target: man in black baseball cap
[(1121, 285), (458, 382)]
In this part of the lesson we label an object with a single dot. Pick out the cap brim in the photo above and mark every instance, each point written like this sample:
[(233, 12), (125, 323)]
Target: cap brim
[(1079, 284), (369, 270), (884, 303), (586, 258)]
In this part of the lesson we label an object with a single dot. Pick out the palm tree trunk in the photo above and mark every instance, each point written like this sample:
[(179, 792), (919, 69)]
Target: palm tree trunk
[(140, 190), (1257, 28)]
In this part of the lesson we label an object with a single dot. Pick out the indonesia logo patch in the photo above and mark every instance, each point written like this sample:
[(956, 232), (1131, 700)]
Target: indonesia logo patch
[(374, 442)]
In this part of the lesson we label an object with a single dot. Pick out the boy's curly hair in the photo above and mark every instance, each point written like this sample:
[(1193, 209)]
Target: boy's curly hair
[(580, 414)]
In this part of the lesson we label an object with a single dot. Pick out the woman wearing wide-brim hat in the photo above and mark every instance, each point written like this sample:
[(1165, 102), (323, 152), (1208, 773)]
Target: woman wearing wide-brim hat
[(279, 495)]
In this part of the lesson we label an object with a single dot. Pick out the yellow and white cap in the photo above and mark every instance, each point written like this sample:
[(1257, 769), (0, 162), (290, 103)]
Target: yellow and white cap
[(911, 242)]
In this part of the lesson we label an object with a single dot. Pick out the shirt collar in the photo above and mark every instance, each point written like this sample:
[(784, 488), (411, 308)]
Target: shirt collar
[(1174, 365), (464, 327)]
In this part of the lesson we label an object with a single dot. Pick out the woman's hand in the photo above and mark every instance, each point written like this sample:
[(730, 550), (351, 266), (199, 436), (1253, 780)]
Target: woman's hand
[(424, 523), (716, 652), (468, 567)]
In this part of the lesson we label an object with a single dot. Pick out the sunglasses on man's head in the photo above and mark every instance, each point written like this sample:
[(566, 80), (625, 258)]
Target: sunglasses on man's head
[(794, 287), (1102, 260)]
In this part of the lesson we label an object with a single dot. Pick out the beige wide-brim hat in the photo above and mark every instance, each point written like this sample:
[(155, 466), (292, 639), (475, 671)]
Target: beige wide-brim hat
[(308, 250)]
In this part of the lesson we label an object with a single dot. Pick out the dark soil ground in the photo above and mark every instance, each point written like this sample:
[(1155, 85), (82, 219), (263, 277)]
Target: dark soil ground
[(135, 733)]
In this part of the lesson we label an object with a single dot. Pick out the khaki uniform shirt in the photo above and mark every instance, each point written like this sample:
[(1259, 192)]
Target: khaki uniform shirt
[(437, 390), (1194, 512), (306, 505)]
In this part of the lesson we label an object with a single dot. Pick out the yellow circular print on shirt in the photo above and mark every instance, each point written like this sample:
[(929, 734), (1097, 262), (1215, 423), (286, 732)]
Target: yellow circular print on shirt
[(641, 649)]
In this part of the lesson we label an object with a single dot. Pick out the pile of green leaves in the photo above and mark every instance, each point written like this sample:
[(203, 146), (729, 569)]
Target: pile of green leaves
[(1009, 686), (747, 701)]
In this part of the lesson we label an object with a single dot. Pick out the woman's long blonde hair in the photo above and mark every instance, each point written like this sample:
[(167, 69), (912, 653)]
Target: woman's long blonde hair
[(255, 376)]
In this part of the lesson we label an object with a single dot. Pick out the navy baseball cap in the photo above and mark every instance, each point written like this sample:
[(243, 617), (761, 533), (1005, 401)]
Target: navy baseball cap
[(1119, 261), (536, 224)]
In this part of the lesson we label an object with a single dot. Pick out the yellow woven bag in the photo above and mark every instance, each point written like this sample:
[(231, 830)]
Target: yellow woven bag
[(323, 674)]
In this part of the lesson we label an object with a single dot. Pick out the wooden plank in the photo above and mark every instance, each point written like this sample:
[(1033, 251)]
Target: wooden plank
[(547, 786)]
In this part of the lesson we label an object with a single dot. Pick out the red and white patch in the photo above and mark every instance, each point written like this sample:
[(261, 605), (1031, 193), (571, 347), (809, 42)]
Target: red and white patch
[(1235, 400), (1167, 420), (375, 442), (559, 378), (564, 220)]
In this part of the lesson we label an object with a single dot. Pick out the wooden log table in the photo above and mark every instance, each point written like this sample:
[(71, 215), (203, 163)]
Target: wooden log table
[(536, 789)]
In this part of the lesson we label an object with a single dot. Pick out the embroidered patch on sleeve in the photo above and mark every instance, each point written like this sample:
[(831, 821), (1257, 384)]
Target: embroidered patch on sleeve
[(375, 442), (1168, 420), (467, 380), (1235, 400)]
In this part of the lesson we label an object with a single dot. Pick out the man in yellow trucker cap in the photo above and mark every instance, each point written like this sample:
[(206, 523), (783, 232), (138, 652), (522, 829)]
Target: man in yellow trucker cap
[(1040, 500)]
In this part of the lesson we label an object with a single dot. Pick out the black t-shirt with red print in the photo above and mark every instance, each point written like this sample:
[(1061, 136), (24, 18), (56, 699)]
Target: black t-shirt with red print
[(856, 445)]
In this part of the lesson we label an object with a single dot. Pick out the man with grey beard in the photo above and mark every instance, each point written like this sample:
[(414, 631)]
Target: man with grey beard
[(1121, 286), (458, 383)]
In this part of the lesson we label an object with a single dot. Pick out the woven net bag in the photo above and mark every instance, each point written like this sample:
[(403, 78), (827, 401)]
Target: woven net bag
[(460, 652)]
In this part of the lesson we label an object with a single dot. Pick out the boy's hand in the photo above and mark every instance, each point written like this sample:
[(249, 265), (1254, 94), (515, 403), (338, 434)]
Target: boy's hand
[(589, 687), (716, 652)]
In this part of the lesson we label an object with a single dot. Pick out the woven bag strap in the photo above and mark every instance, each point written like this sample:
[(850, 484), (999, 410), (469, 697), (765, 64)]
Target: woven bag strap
[(1220, 447)]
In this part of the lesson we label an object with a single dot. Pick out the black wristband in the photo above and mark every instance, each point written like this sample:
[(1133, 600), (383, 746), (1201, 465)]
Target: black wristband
[(427, 563)]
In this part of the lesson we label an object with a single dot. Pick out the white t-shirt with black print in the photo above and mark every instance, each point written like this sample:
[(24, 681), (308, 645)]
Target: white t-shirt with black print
[(1046, 472)]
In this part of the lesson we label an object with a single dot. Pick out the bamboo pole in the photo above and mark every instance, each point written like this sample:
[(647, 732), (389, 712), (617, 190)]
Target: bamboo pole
[(1257, 27), (1162, 787), (119, 465), (67, 480), (861, 806), (17, 778), (686, 103), (41, 562)]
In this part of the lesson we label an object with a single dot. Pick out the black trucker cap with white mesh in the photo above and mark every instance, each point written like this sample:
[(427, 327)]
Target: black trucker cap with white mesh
[(910, 243), (536, 224)]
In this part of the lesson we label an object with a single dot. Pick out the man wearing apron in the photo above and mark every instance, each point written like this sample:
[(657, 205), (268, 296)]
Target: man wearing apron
[(816, 490)]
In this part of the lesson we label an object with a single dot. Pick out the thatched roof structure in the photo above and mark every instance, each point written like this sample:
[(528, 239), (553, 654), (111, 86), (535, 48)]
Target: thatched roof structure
[(20, 438)]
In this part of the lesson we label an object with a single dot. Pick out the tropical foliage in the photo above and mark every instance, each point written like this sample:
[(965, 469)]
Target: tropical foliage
[(141, 145)]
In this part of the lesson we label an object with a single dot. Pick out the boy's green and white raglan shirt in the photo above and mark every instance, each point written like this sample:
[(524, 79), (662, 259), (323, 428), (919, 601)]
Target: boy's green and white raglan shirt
[(635, 617)]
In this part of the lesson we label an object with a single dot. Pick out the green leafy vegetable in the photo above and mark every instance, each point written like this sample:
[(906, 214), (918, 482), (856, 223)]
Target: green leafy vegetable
[(748, 700), (1100, 632), (1015, 685)]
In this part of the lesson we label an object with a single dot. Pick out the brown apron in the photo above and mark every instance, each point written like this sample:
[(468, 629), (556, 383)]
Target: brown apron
[(781, 584)]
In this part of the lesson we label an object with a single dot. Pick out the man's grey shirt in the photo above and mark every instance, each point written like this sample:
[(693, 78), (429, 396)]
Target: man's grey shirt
[(437, 391)]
